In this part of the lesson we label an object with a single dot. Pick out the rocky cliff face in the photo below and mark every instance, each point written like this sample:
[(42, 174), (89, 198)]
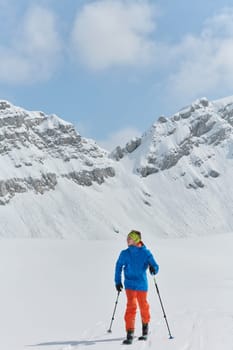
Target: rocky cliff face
[(186, 142), (36, 150)]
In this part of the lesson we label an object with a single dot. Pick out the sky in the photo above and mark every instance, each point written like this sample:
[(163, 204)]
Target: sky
[(112, 67)]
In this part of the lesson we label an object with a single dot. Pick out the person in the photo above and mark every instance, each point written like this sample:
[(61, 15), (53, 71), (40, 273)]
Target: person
[(134, 261)]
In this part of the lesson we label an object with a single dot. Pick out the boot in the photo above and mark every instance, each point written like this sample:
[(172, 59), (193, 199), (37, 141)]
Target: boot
[(129, 337), (145, 329)]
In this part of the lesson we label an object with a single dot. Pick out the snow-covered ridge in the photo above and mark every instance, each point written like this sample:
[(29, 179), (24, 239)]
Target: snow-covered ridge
[(36, 149), (188, 141)]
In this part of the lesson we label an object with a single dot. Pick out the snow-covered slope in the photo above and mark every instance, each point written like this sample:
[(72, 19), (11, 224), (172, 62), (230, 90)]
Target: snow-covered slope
[(60, 295), (45, 165), (175, 180), (196, 143), (36, 149)]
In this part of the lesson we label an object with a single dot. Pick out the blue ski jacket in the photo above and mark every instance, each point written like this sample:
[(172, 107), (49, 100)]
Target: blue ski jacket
[(134, 261)]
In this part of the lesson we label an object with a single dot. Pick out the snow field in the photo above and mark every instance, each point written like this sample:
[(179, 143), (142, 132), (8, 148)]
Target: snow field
[(60, 295)]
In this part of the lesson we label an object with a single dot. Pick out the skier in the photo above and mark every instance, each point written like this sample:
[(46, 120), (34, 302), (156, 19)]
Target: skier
[(134, 261)]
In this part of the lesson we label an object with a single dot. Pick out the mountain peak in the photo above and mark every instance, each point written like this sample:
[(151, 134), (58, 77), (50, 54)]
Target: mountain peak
[(188, 139), (36, 149)]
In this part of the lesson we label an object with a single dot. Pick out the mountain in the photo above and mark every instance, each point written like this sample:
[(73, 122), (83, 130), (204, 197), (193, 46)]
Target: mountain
[(36, 149), (175, 180), (36, 153), (189, 143)]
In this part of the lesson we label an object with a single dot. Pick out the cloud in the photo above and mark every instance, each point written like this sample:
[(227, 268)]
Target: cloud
[(119, 138), (31, 54), (205, 63), (112, 33)]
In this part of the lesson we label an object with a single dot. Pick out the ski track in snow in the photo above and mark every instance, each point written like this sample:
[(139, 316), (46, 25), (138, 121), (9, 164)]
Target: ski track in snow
[(195, 332)]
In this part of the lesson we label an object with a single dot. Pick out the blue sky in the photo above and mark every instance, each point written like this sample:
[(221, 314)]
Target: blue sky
[(112, 67)]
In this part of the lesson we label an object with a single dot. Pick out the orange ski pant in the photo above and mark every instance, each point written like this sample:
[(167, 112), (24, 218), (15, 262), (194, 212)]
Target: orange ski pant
[(135, 297)]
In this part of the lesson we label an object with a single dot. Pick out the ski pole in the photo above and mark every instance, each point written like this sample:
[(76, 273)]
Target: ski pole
[(164, 315), (110, 327)]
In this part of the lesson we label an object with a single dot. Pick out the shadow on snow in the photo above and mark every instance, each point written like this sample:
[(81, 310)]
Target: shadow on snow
[(76, 342)]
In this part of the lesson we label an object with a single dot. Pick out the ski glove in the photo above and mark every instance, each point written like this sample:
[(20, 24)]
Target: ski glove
[(119, 287), (152, 270)]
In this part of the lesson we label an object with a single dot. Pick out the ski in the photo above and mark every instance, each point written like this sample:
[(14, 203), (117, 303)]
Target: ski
[(142, 337), (130, 341), (127, 341)]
